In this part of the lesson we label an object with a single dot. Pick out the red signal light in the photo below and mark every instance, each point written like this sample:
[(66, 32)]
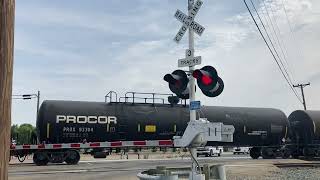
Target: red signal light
[(206, 80), (178, 84), (196, 74)]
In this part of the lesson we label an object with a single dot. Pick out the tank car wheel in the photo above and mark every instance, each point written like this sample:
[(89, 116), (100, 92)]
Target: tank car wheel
[(40, 158), (267, 153), (72, 157), (285, 153), (309, 152), (211, 153), (255, 152), (295, 155)]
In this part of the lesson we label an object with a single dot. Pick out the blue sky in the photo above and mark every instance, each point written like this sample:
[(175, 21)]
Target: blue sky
[(80, 50)]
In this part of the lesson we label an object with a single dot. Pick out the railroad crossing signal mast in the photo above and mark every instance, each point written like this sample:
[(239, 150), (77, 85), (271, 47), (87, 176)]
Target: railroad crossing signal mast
[(190, 60), (198, 132)]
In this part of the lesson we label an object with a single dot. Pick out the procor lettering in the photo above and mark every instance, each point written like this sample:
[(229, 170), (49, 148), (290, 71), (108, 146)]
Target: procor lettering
[(87, 119)]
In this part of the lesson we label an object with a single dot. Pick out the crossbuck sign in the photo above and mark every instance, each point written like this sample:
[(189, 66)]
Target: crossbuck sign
[(188, 21)]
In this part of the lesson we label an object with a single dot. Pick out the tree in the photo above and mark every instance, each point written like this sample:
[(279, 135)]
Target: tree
[(14, 132), (23, 134)]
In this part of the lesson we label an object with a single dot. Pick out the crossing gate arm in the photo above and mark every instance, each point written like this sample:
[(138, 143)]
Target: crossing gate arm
[(114, 144)]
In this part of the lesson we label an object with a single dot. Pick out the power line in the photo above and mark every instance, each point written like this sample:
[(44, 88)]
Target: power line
[(274, 57), (267, 22), (272, 38), (281, 43), (288, 76), (283, 67), (288, 79), (283, 49), (291, 30)]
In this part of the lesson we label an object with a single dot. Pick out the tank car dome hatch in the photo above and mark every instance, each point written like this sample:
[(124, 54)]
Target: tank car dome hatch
[(305, 126)]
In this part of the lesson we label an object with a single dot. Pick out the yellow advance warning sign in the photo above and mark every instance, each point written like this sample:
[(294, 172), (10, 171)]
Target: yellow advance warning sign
[(150, 128)]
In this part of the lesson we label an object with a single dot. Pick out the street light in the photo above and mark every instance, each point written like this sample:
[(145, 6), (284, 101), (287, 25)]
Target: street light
[(29, 96)]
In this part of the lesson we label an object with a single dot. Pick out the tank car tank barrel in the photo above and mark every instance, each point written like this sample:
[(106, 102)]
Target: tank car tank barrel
[(75, 121)]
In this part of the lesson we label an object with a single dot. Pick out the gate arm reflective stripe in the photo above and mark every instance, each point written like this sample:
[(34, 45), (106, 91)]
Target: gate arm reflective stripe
[(150, 143)]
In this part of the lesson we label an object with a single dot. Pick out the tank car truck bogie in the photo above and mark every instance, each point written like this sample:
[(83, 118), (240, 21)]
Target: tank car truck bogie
[(40, 158), (268, 152), (72, 156), (255, 152), (285, 152), (305, 133), (43, 157)]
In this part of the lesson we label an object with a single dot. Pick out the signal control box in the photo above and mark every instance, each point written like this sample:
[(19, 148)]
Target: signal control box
[(199, 132)]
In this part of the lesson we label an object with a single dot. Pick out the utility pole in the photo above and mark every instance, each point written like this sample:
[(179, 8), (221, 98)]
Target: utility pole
[(38, 103), (301, 87), (7, 8)]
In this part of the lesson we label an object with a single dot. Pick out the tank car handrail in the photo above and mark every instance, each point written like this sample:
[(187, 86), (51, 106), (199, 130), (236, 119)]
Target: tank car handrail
[(133, 93), (164, 94), (109, 95), (123, 98), (145, 100), (133, 97)]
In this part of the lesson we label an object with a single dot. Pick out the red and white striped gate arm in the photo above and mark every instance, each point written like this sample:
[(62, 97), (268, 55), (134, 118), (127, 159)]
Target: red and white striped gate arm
[(153, 143)]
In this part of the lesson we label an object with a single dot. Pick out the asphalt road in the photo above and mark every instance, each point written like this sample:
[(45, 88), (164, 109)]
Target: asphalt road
[(105, 169)]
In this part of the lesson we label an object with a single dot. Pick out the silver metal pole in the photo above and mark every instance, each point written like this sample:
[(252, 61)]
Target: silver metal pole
[(191, 68), (193, 150)]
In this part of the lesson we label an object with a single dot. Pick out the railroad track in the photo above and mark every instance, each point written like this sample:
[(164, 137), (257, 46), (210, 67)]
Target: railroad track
[(71, 171), (289, 165)]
